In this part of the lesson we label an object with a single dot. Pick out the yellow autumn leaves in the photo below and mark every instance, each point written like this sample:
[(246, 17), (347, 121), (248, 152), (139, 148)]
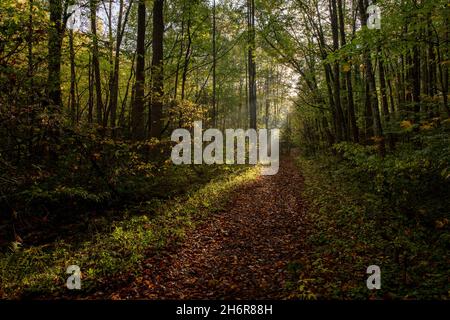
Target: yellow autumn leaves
[(408, 125)]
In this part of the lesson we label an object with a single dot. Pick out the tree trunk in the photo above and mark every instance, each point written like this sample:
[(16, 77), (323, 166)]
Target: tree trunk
[(96, 63), (340, 125), (91, 91), (73, 102), (137, 112), (30, 71), (157, 69), (55, 36), (267, 100), (187, 58), (214, 111), (348, 80), (372, 93), (384, 99), (115, 79), (111, 64), (251, 62)]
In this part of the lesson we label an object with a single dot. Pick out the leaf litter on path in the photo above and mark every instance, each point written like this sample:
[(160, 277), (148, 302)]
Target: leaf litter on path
[(241, 252)]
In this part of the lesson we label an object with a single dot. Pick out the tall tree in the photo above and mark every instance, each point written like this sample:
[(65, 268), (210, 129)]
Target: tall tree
[(96, 62), (157, 69), (348, 77), (371, 92), (58, 20), (137, 112), (214, 54), (187, 55), (340, 123), (251, 43), (122, 21), (72, 96), (30, 70)]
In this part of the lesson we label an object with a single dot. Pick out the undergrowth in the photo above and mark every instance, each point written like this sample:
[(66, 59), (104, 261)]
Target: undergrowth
[(119, 246), (366, 210)]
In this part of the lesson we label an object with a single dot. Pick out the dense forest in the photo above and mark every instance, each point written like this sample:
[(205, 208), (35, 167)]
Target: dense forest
[(91, 91)]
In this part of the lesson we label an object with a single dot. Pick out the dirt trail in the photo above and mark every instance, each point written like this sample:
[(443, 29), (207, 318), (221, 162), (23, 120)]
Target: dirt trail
[(240, 253)]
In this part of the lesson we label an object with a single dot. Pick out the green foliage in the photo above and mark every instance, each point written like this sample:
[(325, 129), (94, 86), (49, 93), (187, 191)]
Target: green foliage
[(412, 180), (120, 247), (342, 238), (391, 211)]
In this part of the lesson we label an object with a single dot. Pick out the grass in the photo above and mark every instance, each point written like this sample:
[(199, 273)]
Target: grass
[(39, 271)]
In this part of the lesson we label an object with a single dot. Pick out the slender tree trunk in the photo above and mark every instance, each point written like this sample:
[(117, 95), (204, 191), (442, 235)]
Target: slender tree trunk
[(247, 106), (30, 71), (115, 73), (96, 63), (432, 79), (443, 68), (348, 80), (137, 112), (384, 99), (416, 80), (251, 62), (73, 102), (415, 74), (55, 36), (157, 69), (391, 98), (367, 110), (340, 124), (187, 58), (401, 90), (122, 122), (30, 75), (115, 80), (267, 100), (328, 73), (180, 55), (214, 111), (241, 103), (111, 65), (91, 91), (445, 83), (372, 93)]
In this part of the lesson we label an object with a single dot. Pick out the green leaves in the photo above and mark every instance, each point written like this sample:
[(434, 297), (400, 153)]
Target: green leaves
[(392, 211)]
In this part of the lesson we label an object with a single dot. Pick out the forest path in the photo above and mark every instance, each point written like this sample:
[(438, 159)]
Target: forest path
[(241, 252)]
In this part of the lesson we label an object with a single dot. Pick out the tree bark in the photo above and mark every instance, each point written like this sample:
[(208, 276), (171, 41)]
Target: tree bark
[(55, 36), (115, 79), (348, 80), (73, 102), (384, 98), (371, 88), (214, 111), (137, 112), (157, 69), (251, 62), (340, 124), (96, 63), (91, 91)]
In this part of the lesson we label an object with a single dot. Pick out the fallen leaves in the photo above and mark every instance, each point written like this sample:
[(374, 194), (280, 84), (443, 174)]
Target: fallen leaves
[(240, 252)]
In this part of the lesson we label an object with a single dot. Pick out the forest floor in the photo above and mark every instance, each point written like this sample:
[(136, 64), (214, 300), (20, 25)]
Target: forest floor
[(303, 233), (241, 252)]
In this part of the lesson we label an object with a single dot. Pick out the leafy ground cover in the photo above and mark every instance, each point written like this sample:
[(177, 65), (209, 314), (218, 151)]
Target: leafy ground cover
[(110, 245), (352, 228)]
